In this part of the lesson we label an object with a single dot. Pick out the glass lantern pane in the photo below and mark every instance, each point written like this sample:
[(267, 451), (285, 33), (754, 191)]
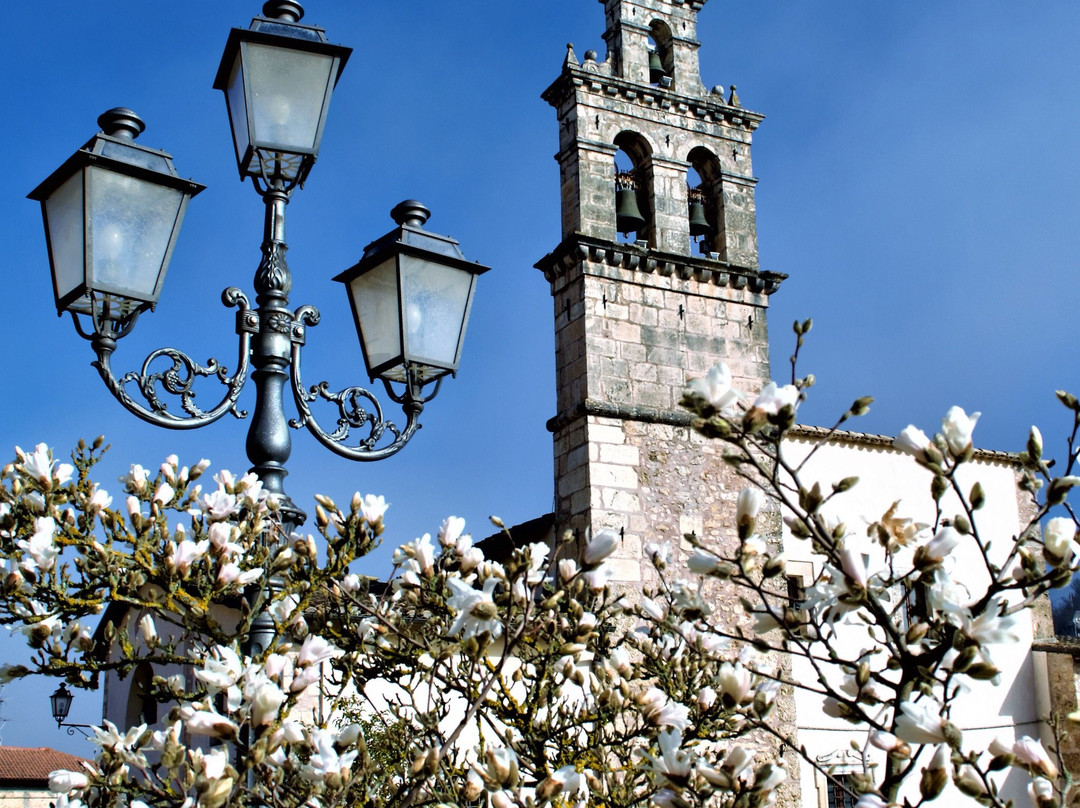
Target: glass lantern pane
[(131, 228), (237, 107), (286, 90), (135, 156), (375, 298), (436, 297), (66, 235)]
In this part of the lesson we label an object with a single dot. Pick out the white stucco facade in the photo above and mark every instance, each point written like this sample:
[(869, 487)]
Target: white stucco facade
[(1008, 710)]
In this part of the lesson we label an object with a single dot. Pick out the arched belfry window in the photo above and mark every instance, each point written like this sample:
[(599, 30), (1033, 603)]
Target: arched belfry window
[(705, 209), (661, 55), (142, 707), (633, 187)]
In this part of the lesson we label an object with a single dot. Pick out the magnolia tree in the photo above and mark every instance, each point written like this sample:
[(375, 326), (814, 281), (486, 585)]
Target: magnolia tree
[(527, 681)]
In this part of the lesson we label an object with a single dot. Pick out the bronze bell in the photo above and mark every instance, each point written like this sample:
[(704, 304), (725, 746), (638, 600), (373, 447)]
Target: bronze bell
[(699, 225), (656, 68), (628, 218)]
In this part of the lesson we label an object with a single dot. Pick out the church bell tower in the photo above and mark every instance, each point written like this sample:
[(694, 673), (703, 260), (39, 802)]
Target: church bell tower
[(645, 150)]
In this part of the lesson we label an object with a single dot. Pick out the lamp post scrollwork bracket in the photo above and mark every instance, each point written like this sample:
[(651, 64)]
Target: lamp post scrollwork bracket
[(177, 378)]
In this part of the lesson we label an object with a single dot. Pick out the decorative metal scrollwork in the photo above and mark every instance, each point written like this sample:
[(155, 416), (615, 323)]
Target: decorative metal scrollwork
[(357, 409), (178, 379)]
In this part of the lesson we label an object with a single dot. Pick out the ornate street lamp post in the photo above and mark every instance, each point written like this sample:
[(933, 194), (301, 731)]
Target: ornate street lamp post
[(112, 213)]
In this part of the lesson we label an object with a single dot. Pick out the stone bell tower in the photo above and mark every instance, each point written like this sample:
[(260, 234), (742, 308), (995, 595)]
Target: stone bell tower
[(636, 318)]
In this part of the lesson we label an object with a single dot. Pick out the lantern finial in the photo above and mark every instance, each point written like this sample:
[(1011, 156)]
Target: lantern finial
[(121, 122), (411, 213), (284, 10)]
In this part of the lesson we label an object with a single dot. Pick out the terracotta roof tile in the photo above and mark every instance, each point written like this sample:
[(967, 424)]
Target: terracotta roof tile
[(23, 766)]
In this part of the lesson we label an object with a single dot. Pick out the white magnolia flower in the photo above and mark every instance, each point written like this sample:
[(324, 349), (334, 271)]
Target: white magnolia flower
[(885, 741), (62, 781), (135, 480), (735, 682), (1029, 751), (99, 500), (471, 558), (222, 668), (164, 494), (451, 530), (1059, 538), (921, 723), (474, 608), (1041, 791), (736, 762), (571, 783), (912, 441), (40, 465), (943, 543), (214, 763), (672, 763), (207, 721), (281, 610), (316, 649), (183, 555), (716, 388), (326, 763), (749, 504), (422, 551), (373, 508), (620, 660), (147, 630), (854, 566), (221, 535), (265, 698), (992, 626), (230, 574), (957, 427), (568, 568), (673, 715), (600, 547), (219, 505), (771, 775), (659, 553), (772, 398), (109, 738), (702, 562), (40, 546)]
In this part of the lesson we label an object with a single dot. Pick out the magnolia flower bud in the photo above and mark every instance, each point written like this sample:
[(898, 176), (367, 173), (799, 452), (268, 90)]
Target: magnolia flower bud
[(912, 441), (474, 786), (956, 428), (62, 781), (600, 547), (746, 510)]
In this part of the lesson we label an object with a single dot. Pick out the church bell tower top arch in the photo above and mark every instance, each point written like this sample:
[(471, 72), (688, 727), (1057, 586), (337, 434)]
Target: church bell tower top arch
[(655, 42)]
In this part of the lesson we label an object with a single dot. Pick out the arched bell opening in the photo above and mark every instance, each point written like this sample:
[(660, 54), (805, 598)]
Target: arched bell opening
[(705, 207), (142, 707), (633, 188), (661, 55)]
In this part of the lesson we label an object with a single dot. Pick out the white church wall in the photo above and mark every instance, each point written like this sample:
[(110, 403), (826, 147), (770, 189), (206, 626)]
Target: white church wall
[(1007, 710)]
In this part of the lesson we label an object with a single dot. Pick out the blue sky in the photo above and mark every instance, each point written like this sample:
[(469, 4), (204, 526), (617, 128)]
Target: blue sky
[(918, 183)]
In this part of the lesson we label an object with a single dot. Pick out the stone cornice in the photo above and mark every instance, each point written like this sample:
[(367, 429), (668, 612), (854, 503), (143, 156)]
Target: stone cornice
[(576, 76), (815, 433), (652, 415), (581, 248), (623, 412)]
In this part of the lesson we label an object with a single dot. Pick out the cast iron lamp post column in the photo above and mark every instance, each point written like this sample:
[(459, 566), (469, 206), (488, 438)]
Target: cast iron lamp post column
[(112, 213)]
